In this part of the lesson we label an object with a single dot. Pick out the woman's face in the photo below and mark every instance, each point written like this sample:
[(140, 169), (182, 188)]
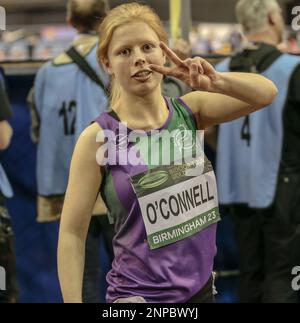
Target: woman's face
[(132, 48)]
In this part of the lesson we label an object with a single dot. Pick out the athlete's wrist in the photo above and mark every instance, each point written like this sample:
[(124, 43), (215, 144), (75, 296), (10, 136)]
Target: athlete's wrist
[(218, 83)]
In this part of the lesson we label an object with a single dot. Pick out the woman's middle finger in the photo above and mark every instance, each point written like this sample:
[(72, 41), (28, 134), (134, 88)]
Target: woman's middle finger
[(194, 75), (196, 61)]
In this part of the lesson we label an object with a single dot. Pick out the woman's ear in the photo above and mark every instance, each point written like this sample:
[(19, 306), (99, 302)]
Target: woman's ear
[(271, 19), (107, 67)]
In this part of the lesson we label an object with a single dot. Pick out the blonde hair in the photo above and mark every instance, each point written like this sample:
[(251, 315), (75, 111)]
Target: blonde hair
[(119, 16), (253, 14)]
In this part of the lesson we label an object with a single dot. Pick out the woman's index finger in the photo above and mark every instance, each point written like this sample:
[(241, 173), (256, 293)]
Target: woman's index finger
[(171, 55)]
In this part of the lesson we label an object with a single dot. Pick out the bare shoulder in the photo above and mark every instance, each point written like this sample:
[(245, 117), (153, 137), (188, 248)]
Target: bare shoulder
[(91, 132), (88, 145), (194, 100), (89, 138)]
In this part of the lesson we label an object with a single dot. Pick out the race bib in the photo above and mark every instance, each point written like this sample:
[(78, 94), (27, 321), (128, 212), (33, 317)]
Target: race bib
[(175, 206)]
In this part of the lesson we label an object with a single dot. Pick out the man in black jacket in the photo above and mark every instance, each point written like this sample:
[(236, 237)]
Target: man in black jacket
[(7, 255), (258, 162)]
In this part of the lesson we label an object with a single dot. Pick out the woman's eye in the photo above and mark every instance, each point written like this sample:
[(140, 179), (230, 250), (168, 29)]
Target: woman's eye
[(148, 47), (125, 52)]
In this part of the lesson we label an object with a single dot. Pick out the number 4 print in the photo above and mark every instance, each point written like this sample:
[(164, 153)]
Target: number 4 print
[(64, 112), (245, 131)]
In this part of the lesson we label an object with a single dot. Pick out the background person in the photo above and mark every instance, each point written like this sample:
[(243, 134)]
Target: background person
[(7, 253), (258, 161), (69, 92)]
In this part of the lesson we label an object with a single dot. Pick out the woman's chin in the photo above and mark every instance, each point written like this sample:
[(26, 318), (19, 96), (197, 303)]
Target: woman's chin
[(145, 89)]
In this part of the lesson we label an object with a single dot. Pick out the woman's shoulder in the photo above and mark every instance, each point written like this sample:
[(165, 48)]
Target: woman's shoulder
[(191, 100), (89, 138), (91, 131)]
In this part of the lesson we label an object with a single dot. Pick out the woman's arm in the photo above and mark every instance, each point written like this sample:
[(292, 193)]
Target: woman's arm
[(83, 187), (220, 97), (6, 133), (231, 96)]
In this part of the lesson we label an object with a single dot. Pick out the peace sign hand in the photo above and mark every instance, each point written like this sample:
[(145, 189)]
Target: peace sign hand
[(195, 72)]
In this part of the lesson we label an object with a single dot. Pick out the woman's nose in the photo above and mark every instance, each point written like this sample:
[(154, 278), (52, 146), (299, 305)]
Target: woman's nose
[(140, 61), (139, 58)]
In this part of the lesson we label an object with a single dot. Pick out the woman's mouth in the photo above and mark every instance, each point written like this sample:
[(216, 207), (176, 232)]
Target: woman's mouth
[(143, 75)]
